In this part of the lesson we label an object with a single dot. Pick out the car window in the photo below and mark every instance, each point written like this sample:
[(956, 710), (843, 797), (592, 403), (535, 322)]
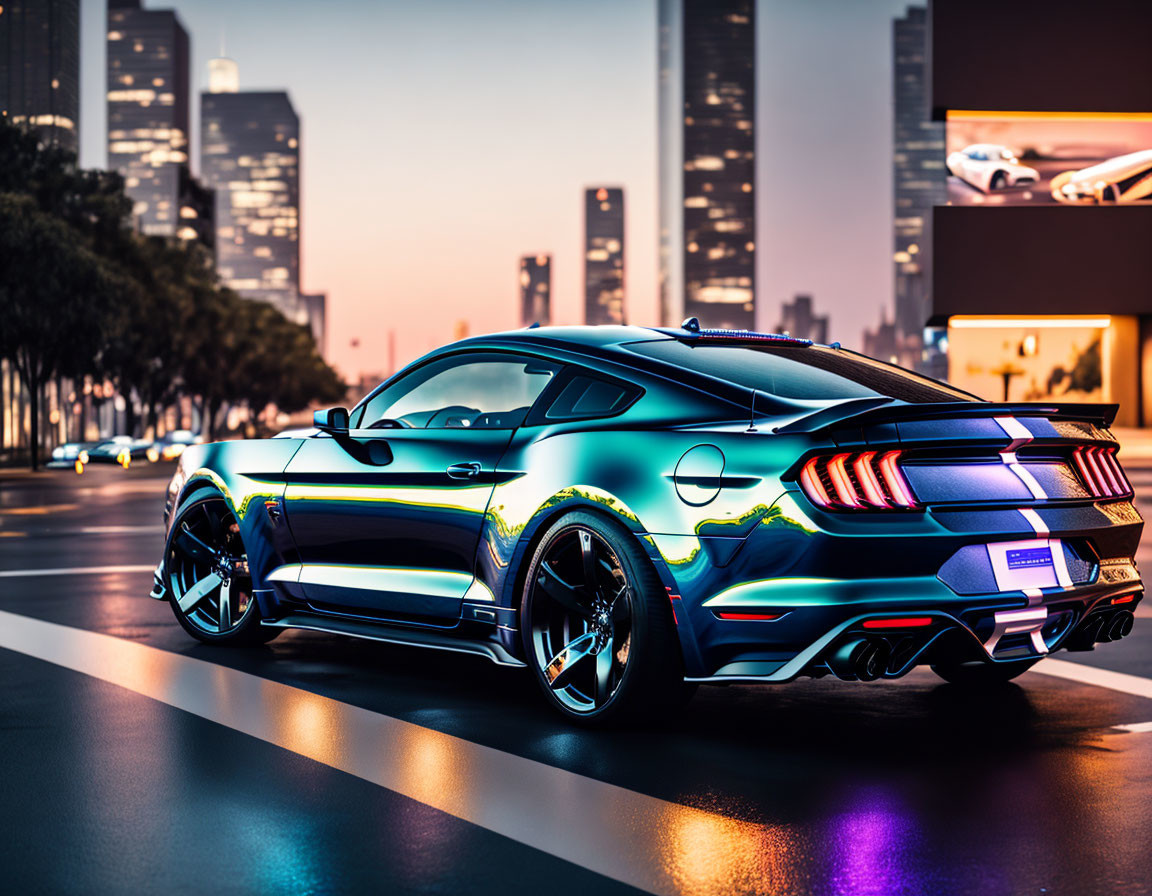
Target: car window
[(586, 397), (476, 391), (813, 372)]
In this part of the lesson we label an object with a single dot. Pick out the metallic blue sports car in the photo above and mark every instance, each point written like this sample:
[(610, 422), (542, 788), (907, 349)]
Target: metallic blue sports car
[(629, 512)]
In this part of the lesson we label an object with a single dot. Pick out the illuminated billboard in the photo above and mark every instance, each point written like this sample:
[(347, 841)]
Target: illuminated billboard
[(1014, 158)]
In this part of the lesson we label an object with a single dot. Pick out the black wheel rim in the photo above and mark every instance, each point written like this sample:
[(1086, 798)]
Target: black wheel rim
[(581, 620), (208, 569)]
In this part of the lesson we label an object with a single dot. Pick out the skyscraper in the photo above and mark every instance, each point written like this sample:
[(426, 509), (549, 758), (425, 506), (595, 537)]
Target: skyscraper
[(798, 319), (707, 161), (604, 255), (316, 307), (40, 68), (250, 154), (535, 290), (919, 180), (148, 110)]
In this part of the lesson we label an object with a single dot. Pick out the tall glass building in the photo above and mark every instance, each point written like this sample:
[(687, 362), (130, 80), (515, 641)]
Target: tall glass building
[(148, 91), (604, 255), (707, 161), (919, 181), (535, 290), (40, 68), (250, 154)]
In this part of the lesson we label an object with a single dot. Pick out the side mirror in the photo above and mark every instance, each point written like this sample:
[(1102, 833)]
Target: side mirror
[(331, 420)]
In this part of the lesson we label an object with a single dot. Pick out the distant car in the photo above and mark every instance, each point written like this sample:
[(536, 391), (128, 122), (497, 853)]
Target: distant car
[(68, 454), (172, 444), (989, 167), (1126, 178), (120, 450)]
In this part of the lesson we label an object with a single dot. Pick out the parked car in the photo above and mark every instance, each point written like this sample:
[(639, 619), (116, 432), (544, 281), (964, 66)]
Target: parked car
[(172, 444), (1126, 178), (69, 454), (629, 512), (989, 167)]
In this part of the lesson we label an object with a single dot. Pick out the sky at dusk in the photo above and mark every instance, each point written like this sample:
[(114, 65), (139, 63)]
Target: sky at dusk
[(443, 139)]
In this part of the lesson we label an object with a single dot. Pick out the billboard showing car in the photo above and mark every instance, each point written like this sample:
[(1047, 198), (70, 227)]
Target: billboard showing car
[(1024, 158)]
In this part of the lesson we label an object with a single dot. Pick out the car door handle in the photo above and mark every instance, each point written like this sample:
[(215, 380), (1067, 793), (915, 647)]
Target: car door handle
[(468, 470)]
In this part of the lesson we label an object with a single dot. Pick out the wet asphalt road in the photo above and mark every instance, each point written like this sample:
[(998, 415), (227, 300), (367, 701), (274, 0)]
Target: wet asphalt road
[(815, 786)]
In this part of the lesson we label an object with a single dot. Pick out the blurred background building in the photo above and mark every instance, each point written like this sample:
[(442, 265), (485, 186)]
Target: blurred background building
[(535, 290), (148, 124), (919, 183), (40, 68), (707, 104), (798, 318), (604, 255), (315, 305), (250, 154)]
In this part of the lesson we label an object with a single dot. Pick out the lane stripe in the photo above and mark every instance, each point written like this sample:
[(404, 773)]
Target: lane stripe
[(1101, 678), (1135, 728), (633, 838), (74, 571)]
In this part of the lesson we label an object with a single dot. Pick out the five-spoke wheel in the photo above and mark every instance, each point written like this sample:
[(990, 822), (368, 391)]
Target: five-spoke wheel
[(209, 584), (594, 631)]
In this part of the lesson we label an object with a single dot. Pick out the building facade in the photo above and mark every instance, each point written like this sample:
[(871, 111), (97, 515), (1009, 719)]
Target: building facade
[(798, 318), (148, 95), (535, 290), (604, 255), (250, 154), (315, 305), (919, 183), (40, 69), (707, 80)]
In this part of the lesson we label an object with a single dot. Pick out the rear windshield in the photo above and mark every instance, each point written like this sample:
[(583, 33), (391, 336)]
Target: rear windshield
[(803, 373)]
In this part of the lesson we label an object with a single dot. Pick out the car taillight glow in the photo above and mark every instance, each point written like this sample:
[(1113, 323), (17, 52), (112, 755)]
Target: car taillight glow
[(749, 617), (1101, 472), (865, 481), (901, 622)]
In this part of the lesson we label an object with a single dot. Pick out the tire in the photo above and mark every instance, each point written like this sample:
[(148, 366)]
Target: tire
[(203, 541), (998, 182), (599, 661), (981, 674)]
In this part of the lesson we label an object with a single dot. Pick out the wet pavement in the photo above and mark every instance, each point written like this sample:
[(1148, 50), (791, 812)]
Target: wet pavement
[(144, 762)]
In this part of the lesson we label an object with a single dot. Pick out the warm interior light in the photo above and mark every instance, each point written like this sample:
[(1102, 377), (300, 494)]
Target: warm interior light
[(1040, 321), (980, 115)]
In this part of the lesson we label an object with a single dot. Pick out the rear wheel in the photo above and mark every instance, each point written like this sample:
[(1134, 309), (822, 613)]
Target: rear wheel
[(597, 627), (999, 181), (980, 674), (209, 583)]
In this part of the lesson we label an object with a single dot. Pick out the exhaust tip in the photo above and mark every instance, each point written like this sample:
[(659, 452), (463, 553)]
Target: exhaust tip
[(861, 659), (1120, 625)]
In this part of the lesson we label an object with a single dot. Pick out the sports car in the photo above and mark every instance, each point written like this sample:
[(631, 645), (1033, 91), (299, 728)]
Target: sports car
[(989, 167), (630, 512)]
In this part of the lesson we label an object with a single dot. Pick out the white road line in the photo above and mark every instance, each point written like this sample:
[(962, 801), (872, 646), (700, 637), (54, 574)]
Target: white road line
[(639, 840), (120, 530), (74, 571), (1101, 678)]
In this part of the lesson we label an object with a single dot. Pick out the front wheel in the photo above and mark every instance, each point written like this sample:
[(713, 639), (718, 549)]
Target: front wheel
[(980, 674), (597, 626), (209, 584)]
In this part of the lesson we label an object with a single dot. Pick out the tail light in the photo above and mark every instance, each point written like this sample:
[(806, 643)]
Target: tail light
[(870, 480), (1101, 472)]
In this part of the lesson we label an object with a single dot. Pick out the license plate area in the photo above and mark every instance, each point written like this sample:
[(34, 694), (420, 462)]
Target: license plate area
[(1027, 565)]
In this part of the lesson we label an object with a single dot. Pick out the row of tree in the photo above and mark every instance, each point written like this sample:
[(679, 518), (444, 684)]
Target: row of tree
[(83, 295)]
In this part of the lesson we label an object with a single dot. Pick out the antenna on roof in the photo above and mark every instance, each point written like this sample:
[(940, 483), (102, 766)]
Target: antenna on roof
[(533, 326), (691, 324), (752, 414)]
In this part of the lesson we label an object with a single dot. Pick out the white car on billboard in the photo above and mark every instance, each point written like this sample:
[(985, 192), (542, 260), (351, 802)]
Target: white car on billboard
[(989, 167), (1126, 178)]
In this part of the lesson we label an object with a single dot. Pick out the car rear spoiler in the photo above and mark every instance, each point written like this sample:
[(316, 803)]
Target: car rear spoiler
[(864, 411)]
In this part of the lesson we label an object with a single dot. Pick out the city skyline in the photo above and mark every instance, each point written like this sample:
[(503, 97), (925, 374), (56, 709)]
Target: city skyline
[(604, 274), (469, 129)]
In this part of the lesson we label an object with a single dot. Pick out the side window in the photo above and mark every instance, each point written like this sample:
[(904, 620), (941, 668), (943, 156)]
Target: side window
[(586, 397), (477, 391)]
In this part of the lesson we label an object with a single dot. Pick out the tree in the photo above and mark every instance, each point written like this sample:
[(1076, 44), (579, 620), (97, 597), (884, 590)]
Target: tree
[(55, 299)]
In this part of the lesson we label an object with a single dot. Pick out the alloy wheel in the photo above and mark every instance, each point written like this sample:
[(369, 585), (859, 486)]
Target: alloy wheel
[(581, 619), (208, 569)]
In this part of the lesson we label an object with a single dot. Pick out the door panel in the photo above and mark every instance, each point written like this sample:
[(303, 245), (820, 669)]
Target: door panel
[(383, 527)]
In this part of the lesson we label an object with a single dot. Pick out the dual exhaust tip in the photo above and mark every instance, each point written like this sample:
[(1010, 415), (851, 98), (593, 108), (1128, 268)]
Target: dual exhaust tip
[(861, 659), (1104, 627)]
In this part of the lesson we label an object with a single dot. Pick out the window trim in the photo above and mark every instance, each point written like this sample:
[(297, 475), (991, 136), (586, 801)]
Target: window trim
[(478, 353), (537, 415)]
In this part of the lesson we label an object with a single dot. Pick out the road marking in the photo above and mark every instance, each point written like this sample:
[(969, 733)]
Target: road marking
[(1101, 678), (74, 571), (87, 530), (630, 837)]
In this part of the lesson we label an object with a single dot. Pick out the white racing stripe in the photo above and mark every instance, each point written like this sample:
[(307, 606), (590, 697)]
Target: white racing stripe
[(636, 839), (74, 571)]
